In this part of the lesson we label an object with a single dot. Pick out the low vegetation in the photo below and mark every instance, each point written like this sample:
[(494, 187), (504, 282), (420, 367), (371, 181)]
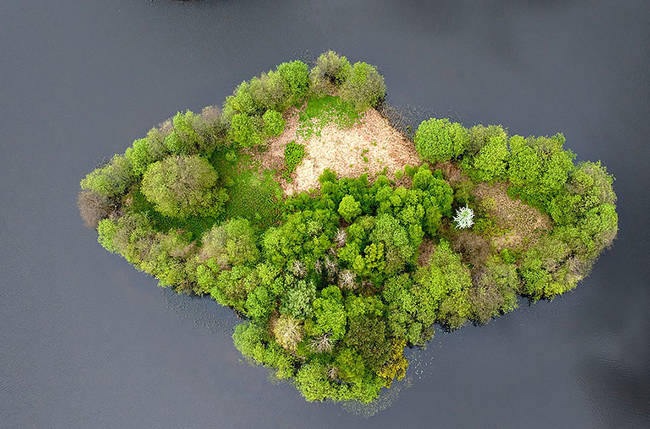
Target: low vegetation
[(333, 284)]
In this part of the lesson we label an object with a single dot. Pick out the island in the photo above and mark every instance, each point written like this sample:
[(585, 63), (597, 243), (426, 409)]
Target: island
[(340, 233)]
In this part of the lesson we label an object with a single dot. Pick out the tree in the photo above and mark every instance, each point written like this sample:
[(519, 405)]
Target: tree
[(438, 140), (182, 186), (273, 123), (330, 71), (94, 207), (330, 316), (287, 331), (244, 130), (231, 243), (491, 161), (295, 75), (364, 87), (110, 180), (349, 208)]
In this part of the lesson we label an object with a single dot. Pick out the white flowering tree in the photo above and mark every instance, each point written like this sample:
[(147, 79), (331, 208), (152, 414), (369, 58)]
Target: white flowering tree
[(464, 218)]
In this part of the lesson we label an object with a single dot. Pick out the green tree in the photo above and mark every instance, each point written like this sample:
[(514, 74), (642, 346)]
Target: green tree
[(364, 87), (182, 186), (330, 71), (231, 243), (110, 180), (273, 123), (349, 208), (244, 130), (438, 140)]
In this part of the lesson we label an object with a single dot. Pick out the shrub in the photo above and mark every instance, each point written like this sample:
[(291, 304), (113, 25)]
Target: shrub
[(293, 154), (330, 71), (182, 186), (438, 140), (273, 123), (364, 87), (244, 130)]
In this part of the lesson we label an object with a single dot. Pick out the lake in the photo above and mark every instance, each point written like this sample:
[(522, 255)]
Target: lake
[(89, 342)]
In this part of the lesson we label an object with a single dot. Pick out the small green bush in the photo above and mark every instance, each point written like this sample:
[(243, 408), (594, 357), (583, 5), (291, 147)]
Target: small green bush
[(293, 154), (273, 124), (439, 140)]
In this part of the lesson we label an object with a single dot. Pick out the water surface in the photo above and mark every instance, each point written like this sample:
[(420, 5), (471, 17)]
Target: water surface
[(87, 341)]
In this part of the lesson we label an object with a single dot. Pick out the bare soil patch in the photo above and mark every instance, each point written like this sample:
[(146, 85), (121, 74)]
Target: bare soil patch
[(522, 223), (369, 147)]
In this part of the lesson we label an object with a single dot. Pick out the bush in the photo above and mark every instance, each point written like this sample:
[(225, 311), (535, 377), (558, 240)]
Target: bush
[(293, 154), (244, 130), (364, 87), (330, 71), (438, 140), (273, 123), (182, 186)]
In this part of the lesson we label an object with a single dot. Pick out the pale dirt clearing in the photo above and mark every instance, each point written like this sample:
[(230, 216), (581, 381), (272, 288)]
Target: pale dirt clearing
[(341, 150)]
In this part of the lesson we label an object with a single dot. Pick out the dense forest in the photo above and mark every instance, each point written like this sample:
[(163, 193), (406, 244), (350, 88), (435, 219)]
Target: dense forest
[(332, 284)]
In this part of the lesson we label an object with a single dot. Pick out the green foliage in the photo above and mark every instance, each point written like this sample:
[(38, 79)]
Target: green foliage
[(245, 130), (349, 208), (490, 162), (110, 180), (293, 155), (273, 123), (336, 283), (255, 343), (330, 71), (181, 186), (438, 140), (538, 168), (229, 244), (364, 87), (295, 76)]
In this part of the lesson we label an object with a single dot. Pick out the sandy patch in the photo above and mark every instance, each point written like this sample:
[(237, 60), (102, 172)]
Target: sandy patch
[(523, 223), (341, 150)]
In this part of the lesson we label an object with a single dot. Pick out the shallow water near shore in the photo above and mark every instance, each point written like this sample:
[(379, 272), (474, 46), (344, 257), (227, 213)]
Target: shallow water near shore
[(87, 341)]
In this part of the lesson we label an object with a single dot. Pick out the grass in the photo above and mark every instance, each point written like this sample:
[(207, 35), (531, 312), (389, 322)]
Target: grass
[(254, 194), (321, 111)]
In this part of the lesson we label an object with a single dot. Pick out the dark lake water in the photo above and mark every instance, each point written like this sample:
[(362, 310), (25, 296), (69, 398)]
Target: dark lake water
[(88, 342)]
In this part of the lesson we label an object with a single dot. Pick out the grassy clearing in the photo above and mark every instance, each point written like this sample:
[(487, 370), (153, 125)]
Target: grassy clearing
[(321, 111), (254, 194)]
